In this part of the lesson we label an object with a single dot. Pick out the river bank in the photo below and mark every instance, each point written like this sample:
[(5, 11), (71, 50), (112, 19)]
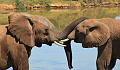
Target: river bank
[(59, 5)]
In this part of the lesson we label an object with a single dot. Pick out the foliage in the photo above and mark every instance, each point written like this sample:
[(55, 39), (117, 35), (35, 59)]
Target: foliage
[(19, 5), (65, 0), (62, 17), (48, 2), (114, 0), (82, 1)]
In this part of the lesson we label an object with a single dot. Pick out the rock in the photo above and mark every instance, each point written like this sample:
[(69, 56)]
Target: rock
[(4, 12), (60, 5), (6, 7)]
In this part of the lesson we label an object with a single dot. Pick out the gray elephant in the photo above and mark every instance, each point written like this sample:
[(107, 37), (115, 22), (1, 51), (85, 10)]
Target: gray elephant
[(23, 32), (102, 33)]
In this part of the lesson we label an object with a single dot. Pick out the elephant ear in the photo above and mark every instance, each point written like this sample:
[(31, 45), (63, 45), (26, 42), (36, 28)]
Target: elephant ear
[(98, 34), (20, 26)]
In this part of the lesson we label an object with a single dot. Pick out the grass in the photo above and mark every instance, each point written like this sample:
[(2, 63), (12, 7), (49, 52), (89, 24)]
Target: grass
[(4, 19), (9, 2), (20, 3), (33, 2), (63, 17)]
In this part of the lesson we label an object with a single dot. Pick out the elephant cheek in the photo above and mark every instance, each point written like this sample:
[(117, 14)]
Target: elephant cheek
[(39, 39), (78, 40), (52, 39), (89, 42), (79, 37)]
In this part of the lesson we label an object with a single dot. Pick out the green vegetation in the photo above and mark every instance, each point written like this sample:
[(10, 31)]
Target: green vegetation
[(32, 2), (47, 2), (62, 17), (19, 5)]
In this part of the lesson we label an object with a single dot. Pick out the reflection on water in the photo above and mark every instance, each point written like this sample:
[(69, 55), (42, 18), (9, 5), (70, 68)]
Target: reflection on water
[(117, 17), (53, 58)]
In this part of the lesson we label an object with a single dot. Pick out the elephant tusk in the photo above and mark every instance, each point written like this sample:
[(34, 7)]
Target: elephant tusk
[(64, 40), (57, 43)]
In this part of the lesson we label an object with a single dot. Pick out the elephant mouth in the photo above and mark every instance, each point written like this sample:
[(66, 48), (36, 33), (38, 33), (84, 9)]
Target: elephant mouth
[(84, 45), (78, 41), (38, 44), (87, 46), (50, 44)]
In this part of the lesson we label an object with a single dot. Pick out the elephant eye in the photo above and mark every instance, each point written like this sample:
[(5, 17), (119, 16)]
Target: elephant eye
[(46, 30), (92, 28), (77, 30)]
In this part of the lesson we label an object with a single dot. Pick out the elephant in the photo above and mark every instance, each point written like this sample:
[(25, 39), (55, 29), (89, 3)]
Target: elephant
[(103, 34), (23, 32)]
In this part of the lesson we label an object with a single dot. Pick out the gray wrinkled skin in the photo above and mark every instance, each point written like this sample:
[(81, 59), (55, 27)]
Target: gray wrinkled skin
[(102, 33)]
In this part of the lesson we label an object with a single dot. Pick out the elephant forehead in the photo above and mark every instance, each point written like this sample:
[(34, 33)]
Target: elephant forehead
[(43, 20), (36, 18), (89, 23), (85, 24)]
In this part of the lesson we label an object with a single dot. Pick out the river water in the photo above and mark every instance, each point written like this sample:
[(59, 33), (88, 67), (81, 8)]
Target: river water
[(53, 57)]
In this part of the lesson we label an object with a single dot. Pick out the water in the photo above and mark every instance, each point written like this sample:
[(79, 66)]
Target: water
[(53, 57)]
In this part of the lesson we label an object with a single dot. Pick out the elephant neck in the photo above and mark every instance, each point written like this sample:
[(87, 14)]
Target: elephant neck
[(28, 50), (71, 27)]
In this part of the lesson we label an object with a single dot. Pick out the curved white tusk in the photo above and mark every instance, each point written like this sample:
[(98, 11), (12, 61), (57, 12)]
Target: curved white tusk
[(57, 43), (64, 40)]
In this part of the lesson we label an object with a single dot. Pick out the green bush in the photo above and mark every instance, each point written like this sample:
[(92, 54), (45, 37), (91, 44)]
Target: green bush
[(47, 2), (65, 0), (19, 5), (114, 0), (82, 2)]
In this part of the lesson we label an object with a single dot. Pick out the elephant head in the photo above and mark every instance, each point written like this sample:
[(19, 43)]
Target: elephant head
[(91, 33), (33, 30), (102, 33)]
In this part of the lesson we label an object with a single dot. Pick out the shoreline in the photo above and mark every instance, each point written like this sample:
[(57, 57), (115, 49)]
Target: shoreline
[(60, 5)]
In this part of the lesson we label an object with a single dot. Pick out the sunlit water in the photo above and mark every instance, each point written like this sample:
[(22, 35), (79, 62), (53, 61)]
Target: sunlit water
[(53, 57)]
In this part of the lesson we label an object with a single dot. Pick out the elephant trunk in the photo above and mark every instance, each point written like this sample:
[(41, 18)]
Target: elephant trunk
[(67, 31), (70, 28), (64, 34), (68, 52)]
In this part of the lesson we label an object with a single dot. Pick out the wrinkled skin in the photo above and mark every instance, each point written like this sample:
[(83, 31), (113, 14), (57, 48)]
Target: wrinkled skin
[(17, 39), (102, 33), (23, 33)]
